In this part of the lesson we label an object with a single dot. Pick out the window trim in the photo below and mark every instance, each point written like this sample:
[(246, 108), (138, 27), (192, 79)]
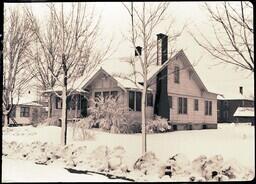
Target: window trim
[(176, 74), (57, 99), (24, 113), (208, 107), (196, 105), (170, 102), (182, 105), (134, 101)]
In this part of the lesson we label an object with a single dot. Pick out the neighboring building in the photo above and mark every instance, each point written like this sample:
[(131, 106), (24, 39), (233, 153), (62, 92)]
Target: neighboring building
[(244, 115), (228, 104), (181, 97), (26, 113), (27, 110)]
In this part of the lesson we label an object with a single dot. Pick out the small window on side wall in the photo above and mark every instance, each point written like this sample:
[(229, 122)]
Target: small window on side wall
[(170, 101), (196, 107), (24, 111)]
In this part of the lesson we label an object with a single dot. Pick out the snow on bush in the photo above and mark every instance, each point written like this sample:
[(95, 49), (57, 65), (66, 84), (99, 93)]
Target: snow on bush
[(148, 164), (157, 124), (80, 129), (53, 121), (110, 114)]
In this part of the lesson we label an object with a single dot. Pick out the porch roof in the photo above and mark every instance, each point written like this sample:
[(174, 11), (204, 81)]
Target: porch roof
[(244, 112)]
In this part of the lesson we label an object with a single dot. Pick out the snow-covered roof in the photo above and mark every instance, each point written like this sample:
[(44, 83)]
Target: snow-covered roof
[(25, 99), (31, 104), (244, 112), (233, 96), (121, 70)]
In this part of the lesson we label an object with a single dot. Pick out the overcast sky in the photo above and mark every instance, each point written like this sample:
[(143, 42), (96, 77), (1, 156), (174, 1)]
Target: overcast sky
[(217, 78)]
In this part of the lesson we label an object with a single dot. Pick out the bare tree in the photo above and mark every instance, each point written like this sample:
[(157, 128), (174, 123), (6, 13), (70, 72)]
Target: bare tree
[(75, 54), (145, 20), (17, 40), (232, 23), (45, 53)]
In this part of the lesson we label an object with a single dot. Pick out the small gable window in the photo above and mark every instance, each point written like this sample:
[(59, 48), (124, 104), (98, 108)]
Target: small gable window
[(177, 74)]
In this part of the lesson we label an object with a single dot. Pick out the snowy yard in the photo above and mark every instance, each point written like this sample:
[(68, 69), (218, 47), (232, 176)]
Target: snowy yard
[(235, 143)]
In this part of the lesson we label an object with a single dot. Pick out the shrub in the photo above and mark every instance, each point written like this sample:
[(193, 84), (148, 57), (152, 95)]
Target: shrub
[(109, 114), (82, 126), (52, 121), (157, 125)]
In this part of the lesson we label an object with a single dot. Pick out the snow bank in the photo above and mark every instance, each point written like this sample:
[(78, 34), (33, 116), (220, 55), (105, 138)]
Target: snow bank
[(178, 157)]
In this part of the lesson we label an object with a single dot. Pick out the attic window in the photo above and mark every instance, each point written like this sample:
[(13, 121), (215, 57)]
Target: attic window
[(177, 74)]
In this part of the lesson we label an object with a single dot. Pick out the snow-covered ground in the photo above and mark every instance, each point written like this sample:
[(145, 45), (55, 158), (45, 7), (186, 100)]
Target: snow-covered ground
[(25, 171), (235, 143)]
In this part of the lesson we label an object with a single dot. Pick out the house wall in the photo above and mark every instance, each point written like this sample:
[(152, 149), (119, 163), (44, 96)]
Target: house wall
[(103, 83), (227, 109), (57, 112), (188, 88)]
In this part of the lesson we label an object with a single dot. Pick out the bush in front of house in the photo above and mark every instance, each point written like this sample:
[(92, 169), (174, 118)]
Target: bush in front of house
[(109, 114), (52, 121), (157, 125)]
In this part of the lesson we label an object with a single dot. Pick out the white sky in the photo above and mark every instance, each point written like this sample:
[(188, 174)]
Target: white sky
[(217, 78)]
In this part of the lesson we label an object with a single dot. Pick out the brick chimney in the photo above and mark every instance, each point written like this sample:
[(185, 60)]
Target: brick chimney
[(241, 90), (139, 49), (161, 107), (162, 48)]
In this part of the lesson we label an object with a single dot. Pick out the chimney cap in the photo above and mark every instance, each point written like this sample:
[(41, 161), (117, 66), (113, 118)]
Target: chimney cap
[(161, 35)]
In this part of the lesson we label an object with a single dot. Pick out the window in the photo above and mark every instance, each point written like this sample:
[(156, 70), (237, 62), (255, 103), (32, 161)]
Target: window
[(114, 93), (177, 74), (135, 101), (208, 107), (131, 100), (105, 94), (196, 105), (149, 99), (170, 101), (138, 101), (183, 105), (58, 103), (71, 102), (24, 111)]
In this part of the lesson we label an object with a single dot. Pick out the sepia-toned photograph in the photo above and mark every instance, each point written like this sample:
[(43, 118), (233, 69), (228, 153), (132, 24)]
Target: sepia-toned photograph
[(127, 91)]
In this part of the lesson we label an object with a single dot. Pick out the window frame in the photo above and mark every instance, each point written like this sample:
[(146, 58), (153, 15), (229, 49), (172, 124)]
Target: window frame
[(57, 101), (176, 74), (196, 105), (208, 108), (133, 103), (170, 100), (149, 100), (182, 105), (24, 111)]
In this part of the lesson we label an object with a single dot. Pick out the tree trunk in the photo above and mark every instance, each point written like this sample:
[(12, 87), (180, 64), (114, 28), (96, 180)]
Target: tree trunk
[(143, 118), (50, 106), (64, 114), (6, 119)]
